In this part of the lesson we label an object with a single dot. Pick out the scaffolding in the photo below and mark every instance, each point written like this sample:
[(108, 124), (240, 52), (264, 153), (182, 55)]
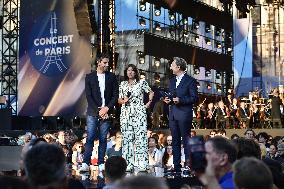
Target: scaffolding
[(9, 53)]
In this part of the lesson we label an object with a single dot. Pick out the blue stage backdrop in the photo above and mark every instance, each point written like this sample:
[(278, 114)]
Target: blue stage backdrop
[(54, 60)]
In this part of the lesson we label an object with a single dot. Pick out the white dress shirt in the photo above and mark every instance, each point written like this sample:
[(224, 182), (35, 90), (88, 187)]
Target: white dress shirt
[(101, 78), (179, 78)]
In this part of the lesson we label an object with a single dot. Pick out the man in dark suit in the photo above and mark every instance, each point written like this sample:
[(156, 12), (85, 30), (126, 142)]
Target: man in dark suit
[(184, 94), (101, 89)]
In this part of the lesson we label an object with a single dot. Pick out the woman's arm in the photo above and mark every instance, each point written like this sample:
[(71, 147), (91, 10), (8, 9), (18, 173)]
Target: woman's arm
[(151, 96)]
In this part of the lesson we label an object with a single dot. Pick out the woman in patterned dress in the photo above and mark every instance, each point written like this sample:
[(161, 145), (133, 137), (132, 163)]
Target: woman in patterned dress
[(133, 119)]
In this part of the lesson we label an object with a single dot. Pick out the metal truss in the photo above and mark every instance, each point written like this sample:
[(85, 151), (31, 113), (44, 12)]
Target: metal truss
[(9, 53), (106, 36)]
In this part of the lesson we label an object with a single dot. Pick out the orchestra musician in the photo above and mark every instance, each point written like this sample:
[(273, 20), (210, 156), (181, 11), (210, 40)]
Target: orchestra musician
[(222, 115), (233, 113), (210, 117), (275, 110), (201, 115), (243, 115)]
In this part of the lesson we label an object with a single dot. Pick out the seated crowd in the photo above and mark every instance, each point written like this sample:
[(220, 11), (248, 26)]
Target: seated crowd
[(248, 162)]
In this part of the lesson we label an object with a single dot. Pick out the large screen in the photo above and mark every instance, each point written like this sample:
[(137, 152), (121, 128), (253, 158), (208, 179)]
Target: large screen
[(54, 60)]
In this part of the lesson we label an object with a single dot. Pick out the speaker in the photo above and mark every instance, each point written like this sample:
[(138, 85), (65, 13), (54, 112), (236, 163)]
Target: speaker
[(85, 17), (6, 119)]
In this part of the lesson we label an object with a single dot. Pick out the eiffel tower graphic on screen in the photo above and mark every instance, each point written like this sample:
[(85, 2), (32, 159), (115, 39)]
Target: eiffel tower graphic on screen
[(54, 58)]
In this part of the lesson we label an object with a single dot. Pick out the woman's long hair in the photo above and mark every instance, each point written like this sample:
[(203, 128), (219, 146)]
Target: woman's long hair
[(135, 71)]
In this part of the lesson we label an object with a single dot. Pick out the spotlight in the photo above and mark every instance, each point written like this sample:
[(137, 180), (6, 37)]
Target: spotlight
[(218, 75), (207, 73), (218, 31), (219, 88), (195, 24), (157, 26), (197, 38), (157, 78), (218, 45), (142, 76), (208, 41), (198, 85), (142, 22), (157, 61), (207, 28), (185, 33), (171, 16), (196, 70), (141, 57), (229, 49), (209, 86), (157, 11), (142, 5), (184, 21)]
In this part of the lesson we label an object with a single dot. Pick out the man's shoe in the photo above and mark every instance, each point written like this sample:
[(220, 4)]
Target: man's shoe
[(84, 168)]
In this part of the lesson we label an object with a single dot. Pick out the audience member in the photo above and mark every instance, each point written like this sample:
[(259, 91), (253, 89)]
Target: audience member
[(155, 157), (168, 158), (116, 150), (45, 167), (251, 173), (142, 182), (234, 136), (115, 169), (77, 155), (222, 154), (7, 182), (249, 134)]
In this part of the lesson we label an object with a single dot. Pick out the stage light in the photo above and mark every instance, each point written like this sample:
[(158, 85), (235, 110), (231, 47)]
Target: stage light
[(198, 85), (157, 11), (207, 73), (171, 16), (141, 60), (219, 88), (209, 86), (196, 70), (185, 33), (157, 26), (157, 61), (207, 28), (218, 31), (218, 45), (197, 38), (142, 76), (184, 21), (195, 24), (142, 5), (218, 75), (142, 22), (157, 78), (141, 57), (208, 41)]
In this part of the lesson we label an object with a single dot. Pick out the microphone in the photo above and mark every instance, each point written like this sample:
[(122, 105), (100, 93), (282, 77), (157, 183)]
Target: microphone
[(128, 95)]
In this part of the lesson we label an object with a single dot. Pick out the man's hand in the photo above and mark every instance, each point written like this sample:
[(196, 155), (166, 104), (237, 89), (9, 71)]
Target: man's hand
[(167, 100), (208, 178), (103, 111), (176, 100)]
